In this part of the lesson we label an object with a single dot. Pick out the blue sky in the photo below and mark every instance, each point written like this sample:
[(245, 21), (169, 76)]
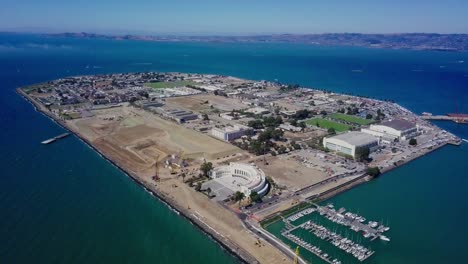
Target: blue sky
[(235, 16)]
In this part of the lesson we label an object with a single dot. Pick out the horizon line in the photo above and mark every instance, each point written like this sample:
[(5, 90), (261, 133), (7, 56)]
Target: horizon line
[(213, 34)]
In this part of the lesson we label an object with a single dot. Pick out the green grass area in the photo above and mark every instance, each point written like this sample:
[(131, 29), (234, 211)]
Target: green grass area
[(351, 119), (323, 123), (284, 213), (160, 85)]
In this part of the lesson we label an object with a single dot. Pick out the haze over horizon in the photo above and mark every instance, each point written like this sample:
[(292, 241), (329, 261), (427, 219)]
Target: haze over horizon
[(209, 17)]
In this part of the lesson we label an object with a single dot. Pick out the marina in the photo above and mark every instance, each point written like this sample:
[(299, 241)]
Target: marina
[(345, 244), (313, 249), (355, 222), (52, 140), (370, 230)]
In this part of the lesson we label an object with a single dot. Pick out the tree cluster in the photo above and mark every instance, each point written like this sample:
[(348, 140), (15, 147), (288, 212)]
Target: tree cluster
[(373, 171), (269, 121), (206, 167)]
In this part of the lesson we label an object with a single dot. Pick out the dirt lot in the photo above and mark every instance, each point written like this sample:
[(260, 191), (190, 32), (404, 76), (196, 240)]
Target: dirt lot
[(290, 173), (222, 220), (197, 103), (135, 138), (311, 133)]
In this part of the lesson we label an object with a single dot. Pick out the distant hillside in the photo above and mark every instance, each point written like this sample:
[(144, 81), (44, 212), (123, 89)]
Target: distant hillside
[(416, 41)]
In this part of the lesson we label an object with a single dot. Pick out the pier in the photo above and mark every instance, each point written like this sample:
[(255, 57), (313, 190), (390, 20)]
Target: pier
[(52, 140), (457, 118), (354, 222)]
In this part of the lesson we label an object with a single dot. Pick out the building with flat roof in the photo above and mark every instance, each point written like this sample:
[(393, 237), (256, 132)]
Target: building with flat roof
[(289, 127), (180, 116), (393, 129), (351, 143), (230, 132), (258, 110), (228, 179)]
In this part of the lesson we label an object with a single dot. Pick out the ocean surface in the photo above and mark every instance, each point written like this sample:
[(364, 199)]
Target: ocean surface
[(63, 203)]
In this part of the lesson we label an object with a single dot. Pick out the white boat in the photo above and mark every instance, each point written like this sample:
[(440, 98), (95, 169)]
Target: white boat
[(384, 238)]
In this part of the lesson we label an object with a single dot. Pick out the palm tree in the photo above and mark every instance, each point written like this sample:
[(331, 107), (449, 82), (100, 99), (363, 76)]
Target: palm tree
[(239, 196)]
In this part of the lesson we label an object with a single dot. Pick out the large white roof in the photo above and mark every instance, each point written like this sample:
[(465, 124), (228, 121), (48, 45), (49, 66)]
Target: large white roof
[(356, 138)]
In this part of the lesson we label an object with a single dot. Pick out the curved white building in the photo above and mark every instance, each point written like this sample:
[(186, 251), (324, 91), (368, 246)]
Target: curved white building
[(234, 177)]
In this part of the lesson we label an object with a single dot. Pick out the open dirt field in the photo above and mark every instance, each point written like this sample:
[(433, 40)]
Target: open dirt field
[(197, 102), (311, 133), (290, 173), (222, 220), (136, 138)]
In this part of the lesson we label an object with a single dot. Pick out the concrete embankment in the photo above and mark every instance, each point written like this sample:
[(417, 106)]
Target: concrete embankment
[(402, 163), (228, 245)]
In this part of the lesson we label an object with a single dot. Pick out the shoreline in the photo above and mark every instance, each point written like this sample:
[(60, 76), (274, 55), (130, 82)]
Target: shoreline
[(241, 254), (328, 194), (243, 257)]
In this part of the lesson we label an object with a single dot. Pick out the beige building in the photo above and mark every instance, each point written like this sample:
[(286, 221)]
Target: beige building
[(348, 143), (393, 129)]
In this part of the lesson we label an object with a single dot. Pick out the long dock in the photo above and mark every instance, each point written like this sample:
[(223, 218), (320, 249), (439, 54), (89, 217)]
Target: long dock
[(52, 140), (354, 223), (461, 119)]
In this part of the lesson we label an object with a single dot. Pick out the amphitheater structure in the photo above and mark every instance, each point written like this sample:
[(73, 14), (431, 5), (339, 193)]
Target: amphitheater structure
[(228, 179)]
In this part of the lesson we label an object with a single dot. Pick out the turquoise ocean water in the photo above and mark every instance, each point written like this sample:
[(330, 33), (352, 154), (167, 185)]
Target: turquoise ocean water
[(64, 204)]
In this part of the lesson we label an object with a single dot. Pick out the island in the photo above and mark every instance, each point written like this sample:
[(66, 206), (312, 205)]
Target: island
[(233, 155), (410, 41)]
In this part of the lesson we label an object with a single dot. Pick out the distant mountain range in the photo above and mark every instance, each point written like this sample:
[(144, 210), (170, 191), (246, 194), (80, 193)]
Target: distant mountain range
[(415, 41)]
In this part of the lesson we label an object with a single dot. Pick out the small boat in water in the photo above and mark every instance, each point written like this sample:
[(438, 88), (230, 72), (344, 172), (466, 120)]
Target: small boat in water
[(384, 238)]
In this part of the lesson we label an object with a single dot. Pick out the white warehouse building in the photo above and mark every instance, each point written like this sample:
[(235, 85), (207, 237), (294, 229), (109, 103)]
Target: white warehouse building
[(228, 179), (228, 133), (393, 129), (347, 143)]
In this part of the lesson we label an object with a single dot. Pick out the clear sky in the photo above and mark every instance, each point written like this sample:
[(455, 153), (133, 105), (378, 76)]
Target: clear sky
[(235, 16)]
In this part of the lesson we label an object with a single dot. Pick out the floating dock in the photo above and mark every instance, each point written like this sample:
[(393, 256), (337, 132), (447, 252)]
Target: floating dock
[(52, 140), (355, 222), (309, 247)]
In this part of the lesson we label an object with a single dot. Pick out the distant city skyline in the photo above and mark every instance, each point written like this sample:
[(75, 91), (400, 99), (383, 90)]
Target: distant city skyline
[(242, 17)]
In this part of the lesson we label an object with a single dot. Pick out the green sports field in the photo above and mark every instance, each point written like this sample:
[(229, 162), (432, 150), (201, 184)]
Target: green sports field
[(351, 119), (323, 123), (160, 85)]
